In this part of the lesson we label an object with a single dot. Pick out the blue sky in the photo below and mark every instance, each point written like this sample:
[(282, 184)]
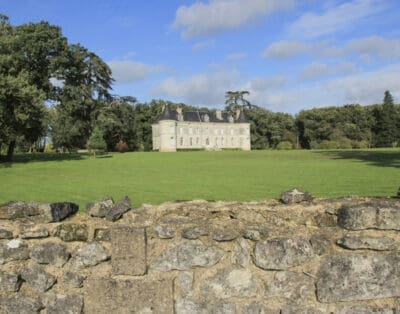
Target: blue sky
[(289, 54)]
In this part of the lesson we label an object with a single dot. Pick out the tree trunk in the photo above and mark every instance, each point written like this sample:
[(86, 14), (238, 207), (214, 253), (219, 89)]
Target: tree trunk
[(10, 151)]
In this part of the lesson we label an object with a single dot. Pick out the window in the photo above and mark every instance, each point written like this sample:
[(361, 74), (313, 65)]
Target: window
[(232, 141), (197, 141), (171, 141), (222, 131), (191, 142), (190, 131), (231, 131), (180, 131), (181, 141), (207, 141), (172, 130)]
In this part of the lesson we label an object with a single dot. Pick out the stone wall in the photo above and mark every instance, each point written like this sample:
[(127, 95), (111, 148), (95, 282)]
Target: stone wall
[(321, 256)]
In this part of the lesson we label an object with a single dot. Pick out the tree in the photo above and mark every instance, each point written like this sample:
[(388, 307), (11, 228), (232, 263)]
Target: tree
[(96, 141), (235, 100), (386, 127)]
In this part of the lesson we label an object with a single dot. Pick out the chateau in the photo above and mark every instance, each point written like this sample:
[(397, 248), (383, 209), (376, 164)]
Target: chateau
[(176, 129)]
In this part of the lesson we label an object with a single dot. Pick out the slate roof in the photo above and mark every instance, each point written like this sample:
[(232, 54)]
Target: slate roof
[(199, 116)]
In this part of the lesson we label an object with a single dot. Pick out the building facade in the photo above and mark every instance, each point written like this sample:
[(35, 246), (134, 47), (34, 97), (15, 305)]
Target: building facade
[(176, 129)]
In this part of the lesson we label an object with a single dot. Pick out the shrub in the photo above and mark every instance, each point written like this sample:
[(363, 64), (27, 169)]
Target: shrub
[(359, 144), (325, 144), (122, 147), (284, 145), (344, 143), (96, 141), (49, 148)]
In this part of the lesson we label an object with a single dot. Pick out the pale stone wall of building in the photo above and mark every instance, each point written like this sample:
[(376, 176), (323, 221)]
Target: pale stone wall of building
[(169, 135)]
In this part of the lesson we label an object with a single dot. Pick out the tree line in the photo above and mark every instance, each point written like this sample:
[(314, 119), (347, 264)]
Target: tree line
[(55, 95)]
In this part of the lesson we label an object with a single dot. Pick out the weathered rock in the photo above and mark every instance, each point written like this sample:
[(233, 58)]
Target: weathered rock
[(13, 250), (282, 253), (38, 278), (295, 196), (252, 234), (241, 253), (19, 305), (119, 209), (128, 246), (188, 254), (100, 208), (164, 232), (325, 220), (258, 308), (373, 215), (15, 210), (59, 303), (320, 244), (90, 254), (194, 233), (69, 232), (295, 287), (303, 310), (359, 277), (9, 282), (370, 243), (363, 309), (50, 253), (128, 296), (185, 306), (185, 282), (55, 212), (5, 234), (232, 282), (34, 233), (52, 212), (224, 235), (74, 280), (102, 235)]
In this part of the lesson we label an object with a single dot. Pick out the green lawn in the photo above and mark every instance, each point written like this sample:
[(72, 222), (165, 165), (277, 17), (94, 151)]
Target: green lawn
[(229, 175)]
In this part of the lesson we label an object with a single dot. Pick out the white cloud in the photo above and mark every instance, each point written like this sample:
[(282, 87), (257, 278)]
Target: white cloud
[(335, 18), (206, 89), (131, 71), (286, 49), (203, 45), (367, 48), (235, 56), (317, 70), (219, 15)]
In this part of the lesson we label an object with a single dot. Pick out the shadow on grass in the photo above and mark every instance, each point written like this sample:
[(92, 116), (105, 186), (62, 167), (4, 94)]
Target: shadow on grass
[(35, 157), (379, 158)]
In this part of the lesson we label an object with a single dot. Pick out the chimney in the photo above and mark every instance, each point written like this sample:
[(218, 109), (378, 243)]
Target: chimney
[(179, 111), (218, 114), (237, 113)]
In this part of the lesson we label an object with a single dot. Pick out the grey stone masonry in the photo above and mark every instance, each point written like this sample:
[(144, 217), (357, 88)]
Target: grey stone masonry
[(128, 251)]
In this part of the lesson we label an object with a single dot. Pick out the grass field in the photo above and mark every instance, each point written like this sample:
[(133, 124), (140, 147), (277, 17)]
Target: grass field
[(229, 175)]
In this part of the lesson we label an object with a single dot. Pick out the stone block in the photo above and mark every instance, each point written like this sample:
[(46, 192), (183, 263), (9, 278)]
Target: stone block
[(102, 234), (128, 296), (295, 196), (187, 306), (19, 305), (14, 250), (222, 235), (231, 282), (128, 251), (50, 253), (15, 210), (100, 208), (69, 232), (373, 215), (351, 277), (282, 253), (186, 255), (194, 232), (90, 254), (38, 278), (5, 234), (295, 287), (9, 282), (74, 280), (34, 233), (164, 232), (369, 243), (116, 211), (59, 303), (258, 308)]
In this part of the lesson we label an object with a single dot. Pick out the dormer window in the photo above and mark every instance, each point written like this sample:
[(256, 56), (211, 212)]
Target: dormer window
[(230, 119), (206, 118)]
